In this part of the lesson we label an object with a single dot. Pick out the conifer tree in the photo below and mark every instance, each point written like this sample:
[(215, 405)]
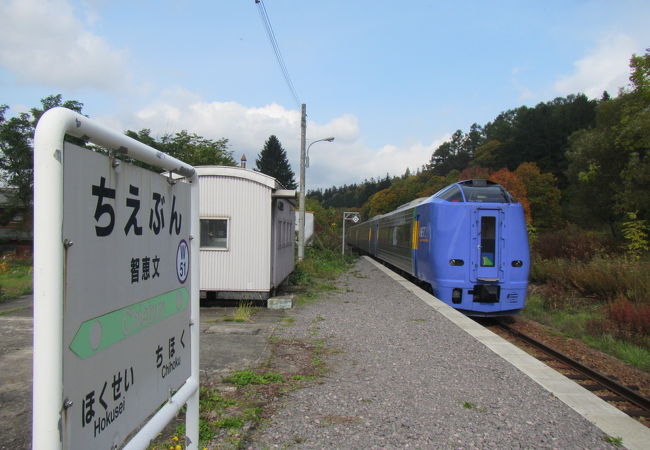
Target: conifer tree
[(273, 161)]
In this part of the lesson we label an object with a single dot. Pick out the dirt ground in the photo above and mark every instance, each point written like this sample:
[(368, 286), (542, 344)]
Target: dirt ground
[(16, 373)]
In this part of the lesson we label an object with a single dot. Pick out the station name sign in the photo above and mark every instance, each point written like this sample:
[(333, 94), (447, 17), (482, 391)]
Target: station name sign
[(126, 232)]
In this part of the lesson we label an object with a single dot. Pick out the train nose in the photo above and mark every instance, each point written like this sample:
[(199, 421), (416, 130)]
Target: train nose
[(486, 293)]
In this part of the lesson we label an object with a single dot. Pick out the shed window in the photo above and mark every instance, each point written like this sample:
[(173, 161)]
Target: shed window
[(214, 233)]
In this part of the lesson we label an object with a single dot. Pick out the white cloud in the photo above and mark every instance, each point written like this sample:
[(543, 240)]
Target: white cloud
[(42, 41), (346, 160), (604, 68)]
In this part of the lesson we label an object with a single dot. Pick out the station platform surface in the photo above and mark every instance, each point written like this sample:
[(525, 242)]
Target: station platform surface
[(409, 371)]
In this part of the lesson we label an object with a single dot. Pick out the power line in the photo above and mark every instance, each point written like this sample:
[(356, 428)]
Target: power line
[(276, 48)]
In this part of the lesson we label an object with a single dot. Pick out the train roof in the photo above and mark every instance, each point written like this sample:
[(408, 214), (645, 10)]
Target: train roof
[(471, 191), (474, 191)]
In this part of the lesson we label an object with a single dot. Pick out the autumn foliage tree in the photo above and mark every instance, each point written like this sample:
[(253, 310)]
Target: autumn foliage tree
[(516, 187), (474, 173)]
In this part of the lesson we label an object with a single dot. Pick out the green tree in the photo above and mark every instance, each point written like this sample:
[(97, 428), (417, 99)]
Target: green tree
[(543, 195), (538, 134), (17, 150), (609, 165), (188, 147), (457, 152), (272, 161)]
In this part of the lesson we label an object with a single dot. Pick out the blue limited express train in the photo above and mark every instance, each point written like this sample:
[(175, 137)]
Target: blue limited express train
[(468, 242)]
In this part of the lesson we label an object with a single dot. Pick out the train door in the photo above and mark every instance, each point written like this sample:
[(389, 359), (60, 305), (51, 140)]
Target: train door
[(486, 251), (374, 239), (415, 230)]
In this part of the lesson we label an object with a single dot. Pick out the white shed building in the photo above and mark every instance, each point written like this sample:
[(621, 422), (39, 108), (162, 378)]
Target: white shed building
[(247, 233)]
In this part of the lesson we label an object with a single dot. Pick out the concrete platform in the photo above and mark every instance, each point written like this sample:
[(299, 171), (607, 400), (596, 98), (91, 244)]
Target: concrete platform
[(609, 419)]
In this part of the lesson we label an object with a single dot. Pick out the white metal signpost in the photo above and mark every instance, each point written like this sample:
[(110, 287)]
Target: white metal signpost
[(115, 290), (348, 215)]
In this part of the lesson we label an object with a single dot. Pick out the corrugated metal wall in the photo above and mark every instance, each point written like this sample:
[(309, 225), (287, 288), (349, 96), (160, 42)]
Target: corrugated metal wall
[(283, 241), (246, 264)]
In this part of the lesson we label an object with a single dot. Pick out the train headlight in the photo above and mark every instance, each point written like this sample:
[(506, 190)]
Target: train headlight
[(517, 263), (456, 262), (456, 295)]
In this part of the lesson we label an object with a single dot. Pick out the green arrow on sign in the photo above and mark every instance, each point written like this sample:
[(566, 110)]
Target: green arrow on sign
[(97, 334)]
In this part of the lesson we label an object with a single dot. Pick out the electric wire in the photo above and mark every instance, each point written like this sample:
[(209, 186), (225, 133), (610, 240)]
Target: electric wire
[(276, 48), (266, 22)]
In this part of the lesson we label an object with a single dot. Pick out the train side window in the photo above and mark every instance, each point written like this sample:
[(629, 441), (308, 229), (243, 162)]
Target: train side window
[(214, 234), (488, 238), (404, 236), (452, 195)]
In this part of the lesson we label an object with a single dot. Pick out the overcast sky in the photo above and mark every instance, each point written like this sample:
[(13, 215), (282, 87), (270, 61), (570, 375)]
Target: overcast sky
[(389, 80)]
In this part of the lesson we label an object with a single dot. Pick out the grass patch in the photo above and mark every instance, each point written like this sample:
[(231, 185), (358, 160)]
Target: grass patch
[(241, 378), (15, 278), (287, 321), (578, 322), (228, 416), (229, 422), (243, 313), (617, 441), (320, 263), (222, 417), (632, 354), (316, 272), (12, 310)]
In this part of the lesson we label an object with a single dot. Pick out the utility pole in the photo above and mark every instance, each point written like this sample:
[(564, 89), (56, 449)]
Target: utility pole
[(301, 214)]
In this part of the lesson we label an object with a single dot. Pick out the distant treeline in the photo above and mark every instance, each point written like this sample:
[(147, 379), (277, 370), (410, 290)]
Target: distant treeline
[(353, 195)]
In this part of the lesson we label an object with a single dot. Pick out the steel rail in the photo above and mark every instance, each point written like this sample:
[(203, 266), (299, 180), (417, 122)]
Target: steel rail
[(626, 393)]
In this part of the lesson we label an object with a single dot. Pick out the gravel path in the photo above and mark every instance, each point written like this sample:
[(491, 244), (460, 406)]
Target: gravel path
[(405, 377)]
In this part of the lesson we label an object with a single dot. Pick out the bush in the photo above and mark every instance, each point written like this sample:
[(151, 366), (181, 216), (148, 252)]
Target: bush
[(556, 295), (630, 320), (603, 278), (635, 232), (572, 243), (15, 277), (319, 263)]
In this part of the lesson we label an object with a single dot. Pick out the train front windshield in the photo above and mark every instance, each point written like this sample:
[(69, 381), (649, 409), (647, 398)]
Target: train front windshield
[(486, 194)]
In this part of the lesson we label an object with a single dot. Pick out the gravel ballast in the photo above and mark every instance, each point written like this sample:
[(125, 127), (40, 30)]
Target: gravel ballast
[(403, 376)]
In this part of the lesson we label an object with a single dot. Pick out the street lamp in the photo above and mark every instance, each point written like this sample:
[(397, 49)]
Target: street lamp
[(329, 139), (304, 156)]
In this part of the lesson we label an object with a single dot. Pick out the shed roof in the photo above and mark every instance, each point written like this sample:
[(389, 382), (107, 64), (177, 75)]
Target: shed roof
[(238, 172)]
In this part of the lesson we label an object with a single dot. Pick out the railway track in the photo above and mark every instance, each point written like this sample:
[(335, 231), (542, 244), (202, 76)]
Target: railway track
[(625, 398)]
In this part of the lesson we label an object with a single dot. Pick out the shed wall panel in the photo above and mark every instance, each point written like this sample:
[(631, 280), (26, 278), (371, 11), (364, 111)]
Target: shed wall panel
[(245, 266), (283, 241)]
